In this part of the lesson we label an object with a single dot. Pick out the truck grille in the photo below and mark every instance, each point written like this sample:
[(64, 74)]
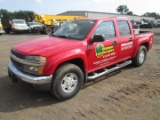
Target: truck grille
[(15, 63), (17, 54)]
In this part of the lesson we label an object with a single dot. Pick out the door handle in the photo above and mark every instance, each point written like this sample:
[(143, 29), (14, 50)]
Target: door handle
[(115, 43), (130, 39)]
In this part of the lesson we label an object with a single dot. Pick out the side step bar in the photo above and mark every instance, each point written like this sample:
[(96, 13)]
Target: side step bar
[(106, 71)]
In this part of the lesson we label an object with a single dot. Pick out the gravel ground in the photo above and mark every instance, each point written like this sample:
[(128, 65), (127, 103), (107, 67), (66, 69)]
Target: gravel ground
[(128, 94)]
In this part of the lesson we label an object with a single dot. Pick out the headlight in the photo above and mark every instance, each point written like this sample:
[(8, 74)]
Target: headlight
[(16, 26), (35, 59), (35, 64)]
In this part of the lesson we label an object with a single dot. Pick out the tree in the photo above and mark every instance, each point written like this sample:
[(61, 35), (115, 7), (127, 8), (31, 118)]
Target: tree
[(130, 13), (122, 9), (152, 14), (6, 15), (27, 15)]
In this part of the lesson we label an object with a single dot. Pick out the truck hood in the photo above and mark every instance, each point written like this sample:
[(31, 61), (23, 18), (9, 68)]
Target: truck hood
[(46, 46), (20, 25)]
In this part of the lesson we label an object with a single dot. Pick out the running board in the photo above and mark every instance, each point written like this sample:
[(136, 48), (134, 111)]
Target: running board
[(106, 71)]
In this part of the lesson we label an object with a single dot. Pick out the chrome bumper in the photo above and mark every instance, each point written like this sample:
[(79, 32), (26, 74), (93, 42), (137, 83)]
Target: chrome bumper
[(37, 80), (1, 31)]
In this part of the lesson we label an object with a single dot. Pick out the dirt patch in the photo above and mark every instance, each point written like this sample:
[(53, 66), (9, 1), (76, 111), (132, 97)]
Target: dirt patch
[(128, 94)]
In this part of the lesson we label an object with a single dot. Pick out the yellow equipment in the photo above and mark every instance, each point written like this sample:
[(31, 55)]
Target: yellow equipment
[(1, 28), (52, 21)]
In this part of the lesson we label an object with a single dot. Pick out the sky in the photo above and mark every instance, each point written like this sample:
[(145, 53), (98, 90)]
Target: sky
[(53, 7)]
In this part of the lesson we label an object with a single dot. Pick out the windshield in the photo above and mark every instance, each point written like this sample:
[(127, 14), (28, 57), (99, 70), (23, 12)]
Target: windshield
[(34, 23), (31, 23), (146, 21), (19, 21), (77, 29), (158, 22)]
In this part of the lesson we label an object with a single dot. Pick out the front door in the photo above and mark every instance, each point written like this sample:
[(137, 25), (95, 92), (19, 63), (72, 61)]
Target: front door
[(101, 54)]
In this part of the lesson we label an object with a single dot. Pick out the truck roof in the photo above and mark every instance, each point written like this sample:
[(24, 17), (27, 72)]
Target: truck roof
[(108, 18)]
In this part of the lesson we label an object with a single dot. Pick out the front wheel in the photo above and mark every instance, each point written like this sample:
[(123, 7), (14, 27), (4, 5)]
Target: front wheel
[(140, 57), (67, 81)]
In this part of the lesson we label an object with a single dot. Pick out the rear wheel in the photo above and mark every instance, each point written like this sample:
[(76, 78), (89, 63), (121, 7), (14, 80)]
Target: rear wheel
[(67, 81), (140, 57), (27, 32), (49, 30), (7, 31), (42, 32)]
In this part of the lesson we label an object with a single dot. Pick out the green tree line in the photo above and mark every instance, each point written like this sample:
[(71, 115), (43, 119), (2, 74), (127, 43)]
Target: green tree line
[(6, 15), (123, 9)]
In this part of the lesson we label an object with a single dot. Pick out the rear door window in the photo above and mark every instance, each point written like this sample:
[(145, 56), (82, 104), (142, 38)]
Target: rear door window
[(124, 28)]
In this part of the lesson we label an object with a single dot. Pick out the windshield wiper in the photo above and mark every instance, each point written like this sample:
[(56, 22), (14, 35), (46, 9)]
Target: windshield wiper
[(63, 36)]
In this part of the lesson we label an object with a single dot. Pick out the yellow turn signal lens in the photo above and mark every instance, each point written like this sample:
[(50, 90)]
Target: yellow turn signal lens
[(40, 69), (42, 59)]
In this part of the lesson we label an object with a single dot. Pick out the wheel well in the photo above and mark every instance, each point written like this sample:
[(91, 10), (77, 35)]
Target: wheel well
[(79, 62), (146, 45)]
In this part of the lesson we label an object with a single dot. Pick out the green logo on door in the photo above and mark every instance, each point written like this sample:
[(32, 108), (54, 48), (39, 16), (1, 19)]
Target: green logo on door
[(102, 50)]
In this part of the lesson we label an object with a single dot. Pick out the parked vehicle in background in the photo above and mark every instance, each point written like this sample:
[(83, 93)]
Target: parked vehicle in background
[(1, 28), (78, 51), (15, 25), (36, 27), (158, 23), (53, 22), (135, 27), (145, 23)]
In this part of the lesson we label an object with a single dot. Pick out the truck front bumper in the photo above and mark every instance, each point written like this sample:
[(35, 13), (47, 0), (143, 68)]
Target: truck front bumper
[(20, 30), (31, 79)]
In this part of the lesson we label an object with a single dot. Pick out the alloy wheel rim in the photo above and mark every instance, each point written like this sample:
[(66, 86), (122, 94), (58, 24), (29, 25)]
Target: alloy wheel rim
[(69, 82), (141, 56)]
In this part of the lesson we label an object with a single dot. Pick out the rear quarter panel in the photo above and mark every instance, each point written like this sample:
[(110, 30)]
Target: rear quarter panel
[(146, 39)]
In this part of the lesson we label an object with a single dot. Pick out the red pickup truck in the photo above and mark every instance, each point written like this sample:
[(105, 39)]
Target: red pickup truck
[(80, 50)]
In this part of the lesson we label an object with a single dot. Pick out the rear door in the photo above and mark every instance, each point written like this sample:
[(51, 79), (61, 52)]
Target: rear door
[(126, 39), (101, 54)]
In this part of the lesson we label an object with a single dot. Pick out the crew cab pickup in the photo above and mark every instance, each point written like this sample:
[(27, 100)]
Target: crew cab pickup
[(78, 51)]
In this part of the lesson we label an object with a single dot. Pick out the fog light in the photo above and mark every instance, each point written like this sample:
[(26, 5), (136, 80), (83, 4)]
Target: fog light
[(33, 68), (37, 70)]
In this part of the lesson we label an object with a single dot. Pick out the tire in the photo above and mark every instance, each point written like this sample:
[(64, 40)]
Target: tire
[(42, 32), (7, 31), (67, 81), (9, 74), (49, 30), (140, 57), (27, 32)]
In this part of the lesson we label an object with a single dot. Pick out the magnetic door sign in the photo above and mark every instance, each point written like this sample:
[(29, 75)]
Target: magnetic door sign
[(102, 50), (126, 46)]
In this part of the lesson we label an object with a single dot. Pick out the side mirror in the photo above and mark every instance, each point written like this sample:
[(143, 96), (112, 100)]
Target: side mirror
[(97, 38)]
